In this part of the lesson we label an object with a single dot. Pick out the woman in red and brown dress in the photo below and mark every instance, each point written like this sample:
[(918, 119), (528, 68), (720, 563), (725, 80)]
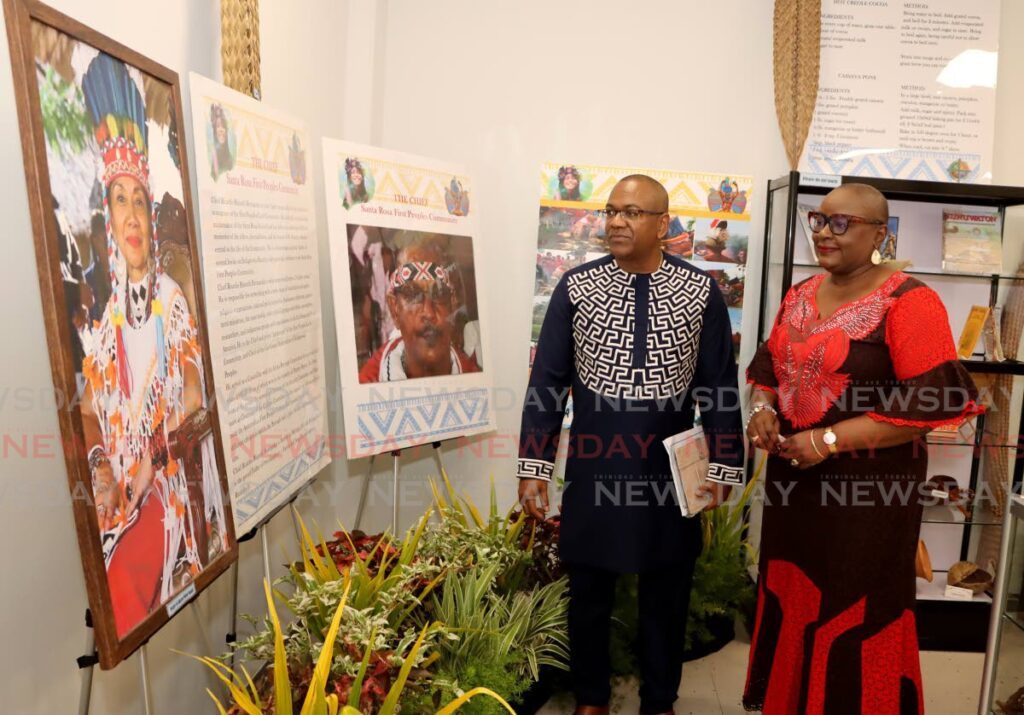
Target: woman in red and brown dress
[(860, 365)]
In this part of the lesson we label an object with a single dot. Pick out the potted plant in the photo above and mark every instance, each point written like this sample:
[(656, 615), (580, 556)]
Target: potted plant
[(460, 602), (317, 700)]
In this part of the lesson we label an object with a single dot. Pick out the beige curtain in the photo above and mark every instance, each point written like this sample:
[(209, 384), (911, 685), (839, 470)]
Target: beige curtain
[(797, 50), (240, 45)]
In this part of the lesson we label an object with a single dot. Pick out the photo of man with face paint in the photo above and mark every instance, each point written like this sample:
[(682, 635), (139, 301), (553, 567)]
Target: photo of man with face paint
[(430, 298)]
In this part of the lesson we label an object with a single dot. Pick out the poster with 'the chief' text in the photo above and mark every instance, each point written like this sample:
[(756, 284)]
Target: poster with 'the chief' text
[(415, 368)]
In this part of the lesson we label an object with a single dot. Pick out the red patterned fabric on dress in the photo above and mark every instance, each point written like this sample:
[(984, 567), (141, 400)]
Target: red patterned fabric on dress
[(809, 351), (835, 626)]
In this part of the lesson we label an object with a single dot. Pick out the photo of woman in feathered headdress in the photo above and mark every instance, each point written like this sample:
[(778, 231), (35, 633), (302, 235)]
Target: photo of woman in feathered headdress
[(357, 183), (569, 184), (156, 488), (220, 142)]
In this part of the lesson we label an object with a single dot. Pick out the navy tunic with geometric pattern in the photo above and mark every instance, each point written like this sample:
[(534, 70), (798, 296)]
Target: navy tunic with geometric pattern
[(638, 351)]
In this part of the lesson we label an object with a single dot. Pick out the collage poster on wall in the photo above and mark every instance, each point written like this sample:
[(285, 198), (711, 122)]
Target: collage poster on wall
[(709, 227), (108, 185), (261, 263), (404, 254)]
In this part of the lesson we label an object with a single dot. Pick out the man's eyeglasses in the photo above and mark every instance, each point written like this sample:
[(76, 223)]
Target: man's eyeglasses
[(630, 214), (414, 294), (838, 223)]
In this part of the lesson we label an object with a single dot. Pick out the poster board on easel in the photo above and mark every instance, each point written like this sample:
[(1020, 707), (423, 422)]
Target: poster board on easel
[(262, 268), (405, 255)]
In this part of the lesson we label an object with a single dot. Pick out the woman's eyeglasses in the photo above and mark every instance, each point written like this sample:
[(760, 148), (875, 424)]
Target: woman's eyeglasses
[(837, 223), (630, 214)]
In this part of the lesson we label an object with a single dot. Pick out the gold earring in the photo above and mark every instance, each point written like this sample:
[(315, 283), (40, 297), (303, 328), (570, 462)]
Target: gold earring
[(876, 257)]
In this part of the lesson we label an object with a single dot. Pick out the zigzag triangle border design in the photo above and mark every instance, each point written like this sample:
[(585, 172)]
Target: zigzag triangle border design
[(285, 477), (446, 419)]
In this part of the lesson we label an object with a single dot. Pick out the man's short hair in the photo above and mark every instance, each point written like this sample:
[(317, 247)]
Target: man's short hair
[(661, 194)]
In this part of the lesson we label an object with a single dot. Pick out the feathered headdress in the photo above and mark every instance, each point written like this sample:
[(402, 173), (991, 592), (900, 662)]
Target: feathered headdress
[(567, 170), (119, 117), (353, 163)]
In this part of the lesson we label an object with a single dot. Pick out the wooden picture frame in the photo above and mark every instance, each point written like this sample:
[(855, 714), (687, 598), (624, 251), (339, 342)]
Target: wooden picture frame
[(171, 436)]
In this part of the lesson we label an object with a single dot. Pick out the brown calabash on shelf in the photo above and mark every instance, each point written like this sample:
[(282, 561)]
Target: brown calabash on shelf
[(965, 574)]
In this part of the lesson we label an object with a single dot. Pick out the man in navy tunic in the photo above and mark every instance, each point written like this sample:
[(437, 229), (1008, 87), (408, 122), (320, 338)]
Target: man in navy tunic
[(640, 337)]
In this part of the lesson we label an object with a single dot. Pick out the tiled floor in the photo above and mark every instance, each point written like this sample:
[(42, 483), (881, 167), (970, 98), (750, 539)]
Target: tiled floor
[(714, 685)]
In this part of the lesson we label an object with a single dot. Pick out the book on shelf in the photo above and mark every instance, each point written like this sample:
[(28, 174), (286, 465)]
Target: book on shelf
[(945, 433), (888, 247), (972, 331), (971, 241), (802, 219), (992, 335)]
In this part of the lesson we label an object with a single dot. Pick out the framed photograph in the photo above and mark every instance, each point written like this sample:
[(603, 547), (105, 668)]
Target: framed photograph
[(414, 304), (108, 186), (404, 243)]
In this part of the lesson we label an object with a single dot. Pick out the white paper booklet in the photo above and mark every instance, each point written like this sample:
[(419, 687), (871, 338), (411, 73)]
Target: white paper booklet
[(688, 455)]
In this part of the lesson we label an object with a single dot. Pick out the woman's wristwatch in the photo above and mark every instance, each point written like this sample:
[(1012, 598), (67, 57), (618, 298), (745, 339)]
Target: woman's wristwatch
[(830, 439)]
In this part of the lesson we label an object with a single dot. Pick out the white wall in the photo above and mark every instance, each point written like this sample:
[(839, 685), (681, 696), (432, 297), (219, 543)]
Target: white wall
[(500, 87), (1008, 164)]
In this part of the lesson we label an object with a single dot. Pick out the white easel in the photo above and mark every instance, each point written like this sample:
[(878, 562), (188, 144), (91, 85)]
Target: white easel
[(395, 501)]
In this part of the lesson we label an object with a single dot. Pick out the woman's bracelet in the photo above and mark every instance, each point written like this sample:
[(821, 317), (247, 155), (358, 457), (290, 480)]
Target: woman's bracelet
[(97, 456), (760, 407), (815, 445)]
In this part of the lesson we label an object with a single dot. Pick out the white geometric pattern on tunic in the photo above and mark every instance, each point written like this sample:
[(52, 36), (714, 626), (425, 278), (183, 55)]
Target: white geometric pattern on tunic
[(724, 474), (604, 324), (535, 469)]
